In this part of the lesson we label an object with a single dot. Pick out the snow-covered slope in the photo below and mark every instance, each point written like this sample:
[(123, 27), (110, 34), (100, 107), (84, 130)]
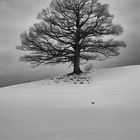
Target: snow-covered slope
[(106, 109)]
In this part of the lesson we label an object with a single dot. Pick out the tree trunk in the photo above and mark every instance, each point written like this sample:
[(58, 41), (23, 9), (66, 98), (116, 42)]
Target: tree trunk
[(76, 64)]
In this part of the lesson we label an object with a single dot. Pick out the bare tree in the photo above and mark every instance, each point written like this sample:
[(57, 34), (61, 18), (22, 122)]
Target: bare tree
[(71, 31)]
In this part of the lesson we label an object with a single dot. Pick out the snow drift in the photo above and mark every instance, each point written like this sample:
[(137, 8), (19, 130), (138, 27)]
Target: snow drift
[(106, 109)]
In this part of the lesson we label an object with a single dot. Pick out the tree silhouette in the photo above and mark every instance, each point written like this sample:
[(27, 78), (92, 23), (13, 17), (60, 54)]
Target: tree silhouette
[(72, 31)]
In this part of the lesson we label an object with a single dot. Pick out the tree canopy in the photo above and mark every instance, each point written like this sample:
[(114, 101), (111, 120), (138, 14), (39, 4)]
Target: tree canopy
[(71, 31)]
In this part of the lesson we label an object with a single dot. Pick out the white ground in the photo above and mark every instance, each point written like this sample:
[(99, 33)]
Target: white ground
[(44, 111)]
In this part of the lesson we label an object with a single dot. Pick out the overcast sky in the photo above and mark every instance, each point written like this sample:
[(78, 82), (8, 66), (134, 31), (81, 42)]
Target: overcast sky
[(16, 16)]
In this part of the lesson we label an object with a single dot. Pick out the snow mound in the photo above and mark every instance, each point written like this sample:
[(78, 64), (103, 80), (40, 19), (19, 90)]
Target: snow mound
[(125, 75)]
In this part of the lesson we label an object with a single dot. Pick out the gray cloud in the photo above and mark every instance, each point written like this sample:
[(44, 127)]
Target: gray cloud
[(6, 57)]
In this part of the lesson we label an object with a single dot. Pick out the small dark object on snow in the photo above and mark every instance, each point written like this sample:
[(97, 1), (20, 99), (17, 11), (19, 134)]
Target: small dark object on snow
[(92, 102)]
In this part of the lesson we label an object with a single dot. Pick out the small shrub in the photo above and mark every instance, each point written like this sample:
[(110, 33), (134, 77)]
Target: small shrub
[(89, 67)]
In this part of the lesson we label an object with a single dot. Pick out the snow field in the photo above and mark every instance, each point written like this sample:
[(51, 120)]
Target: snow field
[(50, 110)]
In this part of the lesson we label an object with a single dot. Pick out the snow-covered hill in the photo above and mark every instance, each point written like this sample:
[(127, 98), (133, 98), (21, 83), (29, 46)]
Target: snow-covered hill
[(106, 109)]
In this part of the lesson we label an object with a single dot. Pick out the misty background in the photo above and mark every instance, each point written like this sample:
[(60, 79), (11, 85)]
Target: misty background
[(16, 16)]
